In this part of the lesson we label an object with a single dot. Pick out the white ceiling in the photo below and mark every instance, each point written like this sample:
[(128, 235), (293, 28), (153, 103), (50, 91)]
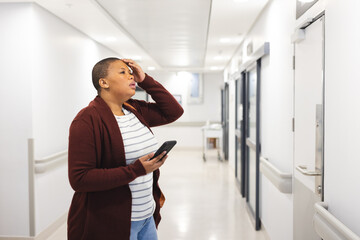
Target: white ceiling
[(193, 35)]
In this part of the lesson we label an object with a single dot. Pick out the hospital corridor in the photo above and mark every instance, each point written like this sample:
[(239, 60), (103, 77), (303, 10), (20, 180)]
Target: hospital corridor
[(179, 120), (189, 212)]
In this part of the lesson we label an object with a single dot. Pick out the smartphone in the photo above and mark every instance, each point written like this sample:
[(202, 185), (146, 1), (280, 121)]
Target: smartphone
[(166, 146)]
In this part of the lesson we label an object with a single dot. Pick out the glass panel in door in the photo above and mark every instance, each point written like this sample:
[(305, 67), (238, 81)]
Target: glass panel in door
[(238, 139), (252, 140)]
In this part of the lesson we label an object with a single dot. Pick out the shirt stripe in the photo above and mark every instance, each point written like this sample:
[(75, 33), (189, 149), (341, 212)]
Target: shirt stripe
[(138, 142)]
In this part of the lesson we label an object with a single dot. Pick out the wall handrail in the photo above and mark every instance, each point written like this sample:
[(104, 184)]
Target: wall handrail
[(251, 144), (52, 157), (282, 181), (328, 227), (41, 165)]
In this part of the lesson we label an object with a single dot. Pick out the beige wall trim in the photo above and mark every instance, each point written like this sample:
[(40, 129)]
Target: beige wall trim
[(183, 148), (282, 181), (266, 235), (327, 226), (51, 161), (189, 124), (51, 229), (17, 238)]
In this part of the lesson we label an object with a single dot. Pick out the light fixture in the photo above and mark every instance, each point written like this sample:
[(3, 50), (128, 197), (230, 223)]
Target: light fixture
[(110, 39), (105, 39), (231, 40), (225, 40), (150, 68), (219, 57), (214, 68), (136, 58), (238, 1), (306, 1)]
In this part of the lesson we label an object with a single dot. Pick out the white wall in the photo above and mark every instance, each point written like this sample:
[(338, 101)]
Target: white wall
[(209, 109), (48, 71), (275, 25), (187, 137), (63, 59), (15, 118), (187, 130), (342, 115), (62, 85), (341, 177)]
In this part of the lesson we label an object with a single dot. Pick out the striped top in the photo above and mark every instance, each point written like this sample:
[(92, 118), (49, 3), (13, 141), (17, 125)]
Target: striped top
[(138, 141)]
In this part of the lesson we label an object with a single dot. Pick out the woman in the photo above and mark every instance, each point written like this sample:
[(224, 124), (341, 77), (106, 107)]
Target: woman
[(110, 145)]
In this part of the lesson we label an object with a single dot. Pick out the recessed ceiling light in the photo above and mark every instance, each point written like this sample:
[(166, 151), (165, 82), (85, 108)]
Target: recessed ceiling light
[(110, 39), (240, 1), (214, 68), (231, 40), (225, 40), (306, 1), (136, 58), (151, 68), (219, 58)]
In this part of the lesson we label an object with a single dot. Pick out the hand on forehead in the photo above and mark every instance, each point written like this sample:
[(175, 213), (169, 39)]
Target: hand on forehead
[(126, 63)]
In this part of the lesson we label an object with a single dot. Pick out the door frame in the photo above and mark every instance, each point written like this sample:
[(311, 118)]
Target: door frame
[(225, 119), (299, 208), (240, 97), (237, 142), (254, 212), (303, 27), (244, 68)]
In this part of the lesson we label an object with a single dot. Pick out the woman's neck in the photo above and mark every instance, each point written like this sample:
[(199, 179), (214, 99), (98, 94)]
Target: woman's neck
[(114, 104)]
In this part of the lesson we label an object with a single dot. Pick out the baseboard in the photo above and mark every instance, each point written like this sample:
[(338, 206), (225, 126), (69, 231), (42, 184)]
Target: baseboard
[(45, 234), (185, 148), (266, 235), (52, 228), (17, 238)]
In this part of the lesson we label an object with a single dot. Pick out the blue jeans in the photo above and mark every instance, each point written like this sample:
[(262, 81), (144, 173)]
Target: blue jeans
[(143, 230)]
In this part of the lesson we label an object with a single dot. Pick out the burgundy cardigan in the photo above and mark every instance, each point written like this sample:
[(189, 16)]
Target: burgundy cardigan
[(101, 205)]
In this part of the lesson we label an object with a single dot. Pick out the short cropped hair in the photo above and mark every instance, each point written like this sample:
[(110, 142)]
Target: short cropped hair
[(100, 70)]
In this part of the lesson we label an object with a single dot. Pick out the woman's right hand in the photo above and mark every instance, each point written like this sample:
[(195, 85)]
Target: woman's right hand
[(153, 164)]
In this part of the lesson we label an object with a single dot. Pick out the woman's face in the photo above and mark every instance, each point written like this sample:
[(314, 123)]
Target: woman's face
[(120, 80)]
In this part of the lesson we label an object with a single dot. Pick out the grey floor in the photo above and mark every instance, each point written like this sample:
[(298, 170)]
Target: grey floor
[(202, 201)]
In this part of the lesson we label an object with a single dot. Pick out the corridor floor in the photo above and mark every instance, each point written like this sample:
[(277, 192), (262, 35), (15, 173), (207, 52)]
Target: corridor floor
[(202, 201)]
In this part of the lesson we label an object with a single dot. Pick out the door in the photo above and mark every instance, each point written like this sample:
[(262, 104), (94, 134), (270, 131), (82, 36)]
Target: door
[(308, 127), (238, 118), (225, 119), (252, 151), (240, 136)]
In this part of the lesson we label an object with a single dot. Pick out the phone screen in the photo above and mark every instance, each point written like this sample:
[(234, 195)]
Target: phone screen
[(166, 146)]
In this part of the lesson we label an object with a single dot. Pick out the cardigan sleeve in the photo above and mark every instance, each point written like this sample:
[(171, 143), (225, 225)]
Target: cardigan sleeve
[(165, 109), (83, 174)]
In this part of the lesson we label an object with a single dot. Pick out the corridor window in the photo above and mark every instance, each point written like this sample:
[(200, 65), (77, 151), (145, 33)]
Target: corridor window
[(195, 91)]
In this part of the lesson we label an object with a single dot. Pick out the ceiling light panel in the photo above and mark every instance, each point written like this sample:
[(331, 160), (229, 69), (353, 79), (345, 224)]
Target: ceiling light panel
[(173, 32), (91, 19), (230, 21)]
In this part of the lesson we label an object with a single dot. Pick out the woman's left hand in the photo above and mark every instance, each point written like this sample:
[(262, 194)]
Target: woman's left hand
[(138, 73)]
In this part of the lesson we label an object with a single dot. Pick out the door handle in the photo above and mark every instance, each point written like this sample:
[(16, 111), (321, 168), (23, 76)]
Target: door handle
[(303, 169)]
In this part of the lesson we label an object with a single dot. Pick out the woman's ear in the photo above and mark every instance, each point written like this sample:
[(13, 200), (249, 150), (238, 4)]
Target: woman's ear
[(103, 83)]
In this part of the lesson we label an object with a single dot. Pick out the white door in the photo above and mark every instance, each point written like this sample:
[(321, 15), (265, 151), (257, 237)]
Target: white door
[(308, 128)]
